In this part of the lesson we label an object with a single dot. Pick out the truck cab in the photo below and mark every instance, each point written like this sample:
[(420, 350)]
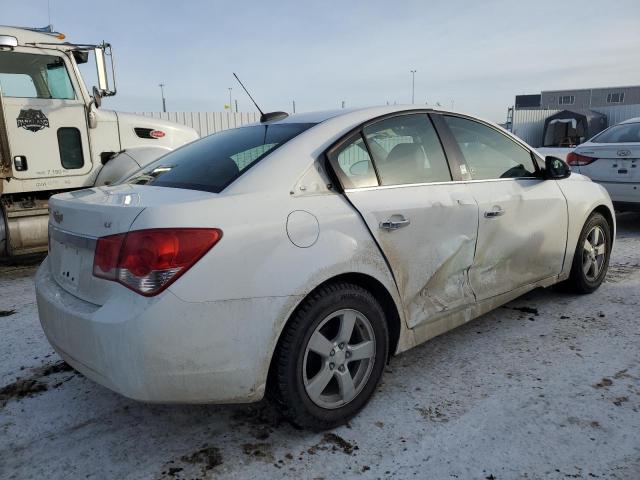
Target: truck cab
[(54, 136)]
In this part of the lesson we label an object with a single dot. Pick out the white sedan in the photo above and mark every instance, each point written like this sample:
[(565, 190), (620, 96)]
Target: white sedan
[(612, 158), (295, 256)]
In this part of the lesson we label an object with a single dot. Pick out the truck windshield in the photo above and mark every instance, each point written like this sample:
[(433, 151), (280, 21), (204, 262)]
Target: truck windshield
[(28, 75), (212, 163)]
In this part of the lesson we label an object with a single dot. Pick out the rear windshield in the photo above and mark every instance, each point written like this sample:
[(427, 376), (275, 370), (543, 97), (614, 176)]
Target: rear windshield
[(622, 133), (213, 162)]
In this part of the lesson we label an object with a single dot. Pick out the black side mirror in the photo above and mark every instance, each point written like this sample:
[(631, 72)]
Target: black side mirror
[(556, 168)]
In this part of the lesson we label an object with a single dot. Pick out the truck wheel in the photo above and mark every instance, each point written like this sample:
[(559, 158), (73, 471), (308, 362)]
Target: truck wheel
[(591, 258), (330, 357)]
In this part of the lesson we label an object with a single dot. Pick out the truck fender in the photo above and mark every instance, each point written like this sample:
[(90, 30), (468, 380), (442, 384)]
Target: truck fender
[(126, 162)]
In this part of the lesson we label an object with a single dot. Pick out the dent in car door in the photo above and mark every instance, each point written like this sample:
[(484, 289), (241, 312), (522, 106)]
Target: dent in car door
[(425, 225), (526, 242), (431, 256), (522, 230)]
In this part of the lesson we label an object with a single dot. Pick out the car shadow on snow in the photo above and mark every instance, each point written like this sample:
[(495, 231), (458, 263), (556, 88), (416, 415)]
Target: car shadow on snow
[(628, 224)]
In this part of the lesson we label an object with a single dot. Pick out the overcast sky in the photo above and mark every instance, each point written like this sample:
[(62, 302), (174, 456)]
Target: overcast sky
[(476, 55)]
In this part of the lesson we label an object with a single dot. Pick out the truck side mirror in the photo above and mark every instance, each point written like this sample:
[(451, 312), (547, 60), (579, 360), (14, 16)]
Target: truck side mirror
[(101, 52), (556, 168), (101, 68), (97, 97)]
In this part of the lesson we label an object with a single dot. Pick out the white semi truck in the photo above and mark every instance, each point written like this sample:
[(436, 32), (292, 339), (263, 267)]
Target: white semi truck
[(54, 136)]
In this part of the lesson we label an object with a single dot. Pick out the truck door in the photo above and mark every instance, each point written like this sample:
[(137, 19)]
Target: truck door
[(45, 115)]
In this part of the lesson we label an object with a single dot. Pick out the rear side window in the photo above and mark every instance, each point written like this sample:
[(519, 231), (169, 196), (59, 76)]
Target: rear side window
[(212, 163), (488, 153), (354, 164), (623, 133), (406, 150)]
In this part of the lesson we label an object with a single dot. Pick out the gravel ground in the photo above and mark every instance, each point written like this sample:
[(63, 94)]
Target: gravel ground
[(546, 387)]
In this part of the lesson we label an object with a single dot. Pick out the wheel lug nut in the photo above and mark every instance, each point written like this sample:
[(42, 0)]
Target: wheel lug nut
[(341, 368), (332, 353), (347, 354), (332, 366), (341, 346)]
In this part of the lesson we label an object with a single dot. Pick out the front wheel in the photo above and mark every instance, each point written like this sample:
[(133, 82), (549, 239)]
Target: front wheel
[(330, 357), (591, 258)]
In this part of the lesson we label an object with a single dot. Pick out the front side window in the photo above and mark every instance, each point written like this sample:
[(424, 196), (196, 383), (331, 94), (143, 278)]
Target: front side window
[(27, 75), (488, 153), (212, 163), (406, 150)]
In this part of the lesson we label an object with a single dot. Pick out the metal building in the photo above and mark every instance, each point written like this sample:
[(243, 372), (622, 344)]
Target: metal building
[(527, 118)]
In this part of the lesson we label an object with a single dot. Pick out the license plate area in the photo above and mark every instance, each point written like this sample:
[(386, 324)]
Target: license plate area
[(622, 167), (69, 264)]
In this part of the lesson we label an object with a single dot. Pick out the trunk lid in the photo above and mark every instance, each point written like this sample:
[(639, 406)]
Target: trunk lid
[(618, 163), (77, 219)]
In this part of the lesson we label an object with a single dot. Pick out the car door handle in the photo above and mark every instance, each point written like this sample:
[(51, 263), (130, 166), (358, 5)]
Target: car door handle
[(496, 212), (394, 223)]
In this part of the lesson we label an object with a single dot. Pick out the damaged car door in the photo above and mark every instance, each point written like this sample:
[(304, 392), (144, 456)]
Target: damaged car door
[(395, 173), (522, 230)]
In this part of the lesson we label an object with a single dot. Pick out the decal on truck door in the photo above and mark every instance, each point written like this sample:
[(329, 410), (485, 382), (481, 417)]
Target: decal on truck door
[(32, 120)]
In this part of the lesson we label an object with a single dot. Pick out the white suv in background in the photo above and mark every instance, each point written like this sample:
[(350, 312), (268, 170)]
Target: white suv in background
[(612, 158)]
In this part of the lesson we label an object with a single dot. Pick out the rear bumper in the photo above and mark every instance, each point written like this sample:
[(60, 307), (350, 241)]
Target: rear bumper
[(163, 349)]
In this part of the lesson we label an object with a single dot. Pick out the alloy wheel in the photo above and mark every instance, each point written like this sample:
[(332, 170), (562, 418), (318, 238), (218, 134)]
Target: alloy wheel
[(594, 253), (338, 358)]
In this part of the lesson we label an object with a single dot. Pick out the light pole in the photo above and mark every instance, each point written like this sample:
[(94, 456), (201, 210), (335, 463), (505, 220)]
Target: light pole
[(230, 106), (413, 86), (164, 102)]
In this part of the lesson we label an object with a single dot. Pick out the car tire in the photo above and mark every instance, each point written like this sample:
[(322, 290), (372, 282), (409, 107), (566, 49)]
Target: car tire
[(315, 349), (593, 250)]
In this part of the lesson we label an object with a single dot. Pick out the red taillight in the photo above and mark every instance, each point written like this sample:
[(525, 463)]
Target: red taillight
[(105, 259), (148, 261), (577, 160)]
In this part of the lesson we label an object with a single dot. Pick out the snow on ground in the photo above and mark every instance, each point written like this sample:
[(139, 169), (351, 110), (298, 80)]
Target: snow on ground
[(546, 387)]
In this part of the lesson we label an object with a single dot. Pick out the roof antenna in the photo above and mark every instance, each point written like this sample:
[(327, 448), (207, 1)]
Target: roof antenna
[(264, 117)]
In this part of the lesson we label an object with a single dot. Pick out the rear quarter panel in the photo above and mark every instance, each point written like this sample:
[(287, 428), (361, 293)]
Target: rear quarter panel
[(256, 258)]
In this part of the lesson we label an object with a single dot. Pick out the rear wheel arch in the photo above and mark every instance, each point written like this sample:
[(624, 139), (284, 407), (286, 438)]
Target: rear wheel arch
[(373, 286), (380, 292)]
